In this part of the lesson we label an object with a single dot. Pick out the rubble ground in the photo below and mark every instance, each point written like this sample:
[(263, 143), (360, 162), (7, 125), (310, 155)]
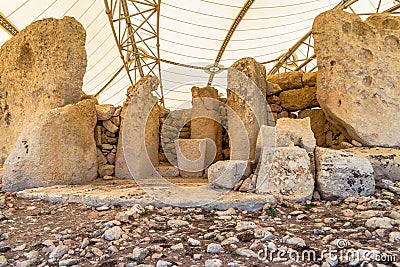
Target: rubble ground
[(40, 233)]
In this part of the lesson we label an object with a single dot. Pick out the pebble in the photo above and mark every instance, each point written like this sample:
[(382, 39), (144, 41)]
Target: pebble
[(377, 222), (193, 242), (139, 254), (240, 226), (177, 223), (103, 208), (59, 251), (178, 246), (394, 237), (113, 233), (214, 248), (3, 261), (68, 262), (213, 263), (245, 252), (162, 263), (294, 241)]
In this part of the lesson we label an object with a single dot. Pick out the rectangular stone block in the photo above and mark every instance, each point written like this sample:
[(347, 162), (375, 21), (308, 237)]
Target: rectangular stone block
[(191, 155)]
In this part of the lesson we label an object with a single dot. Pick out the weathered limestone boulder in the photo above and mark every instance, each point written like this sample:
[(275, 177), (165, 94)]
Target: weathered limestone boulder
[(266, 140), (104, 112), (340, 174), (143, 127), (357, 88), (205, 121), (309, 79), (41, 68), (57, 148), (226, 174), (287, 80), (299, 99), (286, 173), (246, 98), (295, 131), (191, 155), (385, 161)]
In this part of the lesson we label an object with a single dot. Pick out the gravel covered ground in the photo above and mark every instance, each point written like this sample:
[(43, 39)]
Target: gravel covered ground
[(38, 233)]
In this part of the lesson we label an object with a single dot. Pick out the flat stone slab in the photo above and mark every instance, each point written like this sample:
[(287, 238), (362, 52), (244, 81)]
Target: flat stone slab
[(127, 193)]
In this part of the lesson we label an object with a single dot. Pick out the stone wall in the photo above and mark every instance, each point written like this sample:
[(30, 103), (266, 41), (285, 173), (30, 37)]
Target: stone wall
[(106, 136), (174, 123), (293, 95)]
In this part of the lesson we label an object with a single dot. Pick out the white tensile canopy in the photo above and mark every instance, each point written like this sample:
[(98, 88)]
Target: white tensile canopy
[(190, 32)]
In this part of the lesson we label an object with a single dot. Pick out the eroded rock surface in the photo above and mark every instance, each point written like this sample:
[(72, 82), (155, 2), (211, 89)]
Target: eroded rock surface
[(358, 88), (286, 173), (41, 68), (57, 148), (342, 174)]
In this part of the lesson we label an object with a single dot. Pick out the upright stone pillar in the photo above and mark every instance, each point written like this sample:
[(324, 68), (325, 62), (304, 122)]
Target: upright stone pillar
[(247, 86), (143, 127), (205, 121)]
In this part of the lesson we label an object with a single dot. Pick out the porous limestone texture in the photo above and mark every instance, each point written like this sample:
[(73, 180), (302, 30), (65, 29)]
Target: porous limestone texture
[(226, 174), (295, 131), (357, 87), (206, 122), (385, 161), (57, 148), (143, 132), (286, 173), (247, 88), (340, 174), (41, 68)]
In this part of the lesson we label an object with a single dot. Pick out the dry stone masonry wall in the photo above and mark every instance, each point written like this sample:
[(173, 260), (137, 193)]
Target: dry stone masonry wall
[(293, 95)]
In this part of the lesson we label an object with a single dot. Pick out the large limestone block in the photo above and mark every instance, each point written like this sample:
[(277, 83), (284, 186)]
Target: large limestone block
[(205, 121), (246, 98), (295, 131), (191, 155), (385, 161), (57, 148), (287, 80), (340, 174), (299, 99), (266, 140), (144, 126), (227, 174), (357, 87), (286, 173), (41, 68)]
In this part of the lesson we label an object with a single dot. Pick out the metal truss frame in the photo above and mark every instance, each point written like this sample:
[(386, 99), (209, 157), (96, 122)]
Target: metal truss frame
[(7, 25), (132, 26)]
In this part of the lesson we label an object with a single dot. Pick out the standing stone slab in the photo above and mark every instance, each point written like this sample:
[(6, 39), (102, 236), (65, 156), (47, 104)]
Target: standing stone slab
[(144, 126), (247, 88), (357, 87), (286, 173), (205, 121), (385, 161), (57, 148), (226, 174), (41, 68), (295, 131), (340, 174), (191, 155)]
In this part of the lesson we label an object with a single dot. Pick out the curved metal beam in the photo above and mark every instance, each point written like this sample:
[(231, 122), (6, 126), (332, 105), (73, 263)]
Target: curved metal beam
[(228, 37), (7, 25)]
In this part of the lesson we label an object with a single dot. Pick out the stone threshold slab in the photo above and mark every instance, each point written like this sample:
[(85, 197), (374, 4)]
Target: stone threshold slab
[(126, 193)]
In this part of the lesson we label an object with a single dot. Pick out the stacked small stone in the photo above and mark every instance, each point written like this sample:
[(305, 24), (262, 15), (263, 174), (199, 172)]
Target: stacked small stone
[(172, 123), (106, 136), (293, 95)]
